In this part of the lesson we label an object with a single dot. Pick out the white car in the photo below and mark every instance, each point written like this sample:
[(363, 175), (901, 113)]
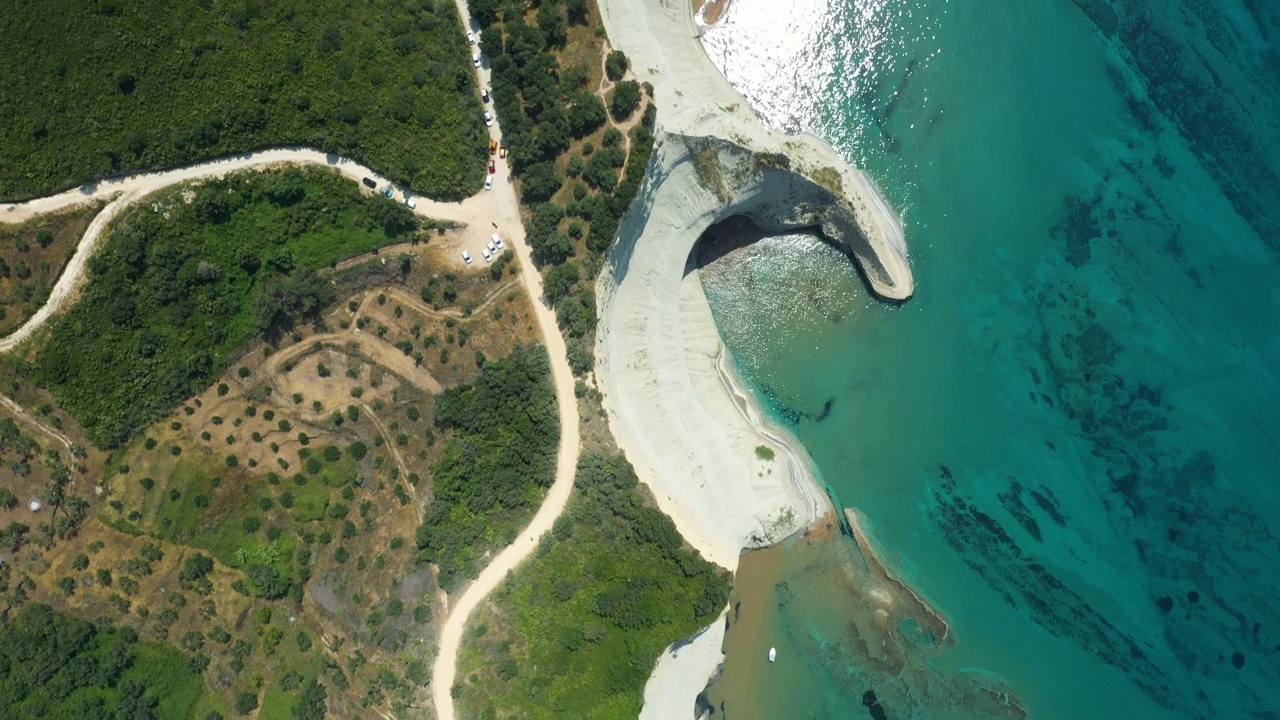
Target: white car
[(411, 202), (471, 38), (491, 247), (488, 257), (488, 119), (496, 241), (466, 257), (488, 182), (475, 59)]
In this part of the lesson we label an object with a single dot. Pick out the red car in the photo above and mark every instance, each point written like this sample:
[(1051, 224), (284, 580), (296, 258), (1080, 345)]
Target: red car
[(492, 168)]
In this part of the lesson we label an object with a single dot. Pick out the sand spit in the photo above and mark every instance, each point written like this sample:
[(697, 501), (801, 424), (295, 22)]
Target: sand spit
[(674, 405), (883, 586)]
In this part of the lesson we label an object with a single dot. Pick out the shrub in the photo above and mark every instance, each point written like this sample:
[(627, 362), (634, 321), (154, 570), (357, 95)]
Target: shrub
[(246, 703), (616, 65), (626, 98)]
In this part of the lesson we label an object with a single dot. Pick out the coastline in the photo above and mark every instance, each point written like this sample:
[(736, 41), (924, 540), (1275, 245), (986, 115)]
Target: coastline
[(674, 403)]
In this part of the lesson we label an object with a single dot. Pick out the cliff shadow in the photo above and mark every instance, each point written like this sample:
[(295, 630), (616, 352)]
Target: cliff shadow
[(736, 232)]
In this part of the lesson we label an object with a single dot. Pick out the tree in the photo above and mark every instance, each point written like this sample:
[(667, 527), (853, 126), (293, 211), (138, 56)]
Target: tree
[(282, 299), (195, 570), (484, 11), (602, 168), (357, 450), (551, 20), (577, 11), (311, 703), (586, 113), (8, 500), (246, 703), (559, 280), (626, 97), (266, 582), (539, 182), (491, 40), (616, 65)]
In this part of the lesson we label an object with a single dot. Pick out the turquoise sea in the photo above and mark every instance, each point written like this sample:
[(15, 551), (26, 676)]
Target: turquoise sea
[(1067, 441)]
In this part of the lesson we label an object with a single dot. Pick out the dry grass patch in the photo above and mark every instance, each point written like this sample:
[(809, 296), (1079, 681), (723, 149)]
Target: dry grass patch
[(32, 256)]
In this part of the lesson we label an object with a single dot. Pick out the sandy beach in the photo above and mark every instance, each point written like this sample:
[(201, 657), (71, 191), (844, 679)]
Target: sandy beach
[(674, 403)]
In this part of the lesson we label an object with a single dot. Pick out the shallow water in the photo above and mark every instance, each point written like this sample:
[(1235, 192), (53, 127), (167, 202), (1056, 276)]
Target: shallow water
[(1066, 442)]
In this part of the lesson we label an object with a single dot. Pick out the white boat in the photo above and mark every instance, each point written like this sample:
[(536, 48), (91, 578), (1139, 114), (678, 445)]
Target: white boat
[(773, 654)]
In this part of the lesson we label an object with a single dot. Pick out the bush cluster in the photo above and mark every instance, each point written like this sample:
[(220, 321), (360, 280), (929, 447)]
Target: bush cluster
[(151, 330), (495, 467), (112, 87), (46, 657), (610, 588), (543, 106)]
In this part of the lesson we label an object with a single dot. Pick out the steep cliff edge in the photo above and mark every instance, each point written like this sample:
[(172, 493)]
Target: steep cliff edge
[(674, 404)]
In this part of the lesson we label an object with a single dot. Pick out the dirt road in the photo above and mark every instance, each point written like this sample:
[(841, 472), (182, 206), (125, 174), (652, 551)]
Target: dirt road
[(487, 211), (446, 665)]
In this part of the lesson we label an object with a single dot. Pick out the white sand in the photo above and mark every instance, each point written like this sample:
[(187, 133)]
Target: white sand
[(673, 404)]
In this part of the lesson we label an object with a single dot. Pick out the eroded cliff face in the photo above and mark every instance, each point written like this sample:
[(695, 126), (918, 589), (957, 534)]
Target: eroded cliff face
[(785, 189), (674, 405)]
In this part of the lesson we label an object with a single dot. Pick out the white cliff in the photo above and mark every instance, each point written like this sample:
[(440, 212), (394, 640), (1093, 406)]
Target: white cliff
[(674, 404)]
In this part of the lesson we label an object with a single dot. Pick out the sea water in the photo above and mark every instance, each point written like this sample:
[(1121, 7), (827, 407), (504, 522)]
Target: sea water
[(1066, 442)]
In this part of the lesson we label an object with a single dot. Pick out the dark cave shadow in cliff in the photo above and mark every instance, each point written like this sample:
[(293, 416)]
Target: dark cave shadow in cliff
[(739, 231)]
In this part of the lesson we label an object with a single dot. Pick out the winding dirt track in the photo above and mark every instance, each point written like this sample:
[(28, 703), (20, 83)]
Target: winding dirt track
[(498, 208), (473, 211), (445, 668)]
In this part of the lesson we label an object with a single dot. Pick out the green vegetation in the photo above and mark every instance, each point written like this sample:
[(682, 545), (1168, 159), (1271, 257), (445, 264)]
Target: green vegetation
[(26, 465), (542, 95), (616, 65), (829, 178), (584, 622), (89, 88), (626, 98), (31, 259), (706, 165), (496, 466), (180, 287), (56, 666), (764, 452)]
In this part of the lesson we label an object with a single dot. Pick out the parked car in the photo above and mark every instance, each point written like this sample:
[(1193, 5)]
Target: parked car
[(471, 38), (484, 94), (389, 192), (488, 182), (492, 167), (466, 257), (493, 147), (369, 183), (475, 59), (488, 257), (496, 240), (502, 151), (492, 246), (488, 119), (411, 202)]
